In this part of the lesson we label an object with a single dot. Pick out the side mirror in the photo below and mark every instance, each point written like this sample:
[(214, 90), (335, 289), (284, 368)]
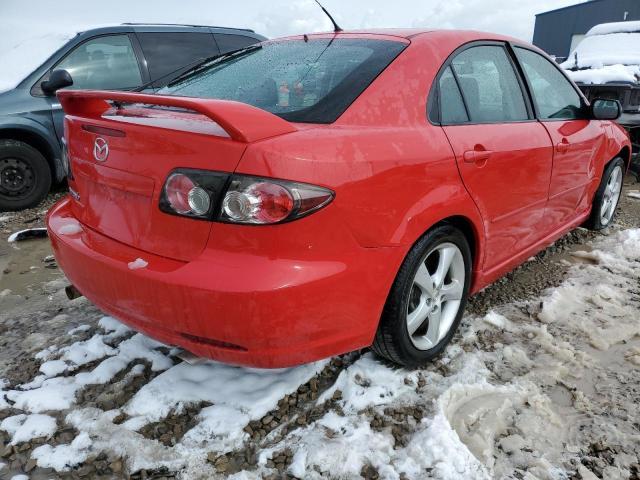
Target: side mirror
[(57, 80), (604, 109)]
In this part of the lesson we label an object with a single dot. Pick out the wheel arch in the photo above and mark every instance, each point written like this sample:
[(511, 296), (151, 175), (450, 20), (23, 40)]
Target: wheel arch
[(625, 154), (38, 141), (472, 231)]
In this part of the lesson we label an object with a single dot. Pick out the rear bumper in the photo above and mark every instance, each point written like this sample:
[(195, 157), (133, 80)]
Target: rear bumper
[(236, 307)]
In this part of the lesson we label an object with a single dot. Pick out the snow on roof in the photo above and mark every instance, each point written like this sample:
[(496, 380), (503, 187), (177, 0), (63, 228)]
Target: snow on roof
[(614, 27), (606, 74), (608, 46)]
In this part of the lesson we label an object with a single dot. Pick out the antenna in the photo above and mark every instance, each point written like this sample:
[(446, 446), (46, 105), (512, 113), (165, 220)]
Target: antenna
[(336, 27)]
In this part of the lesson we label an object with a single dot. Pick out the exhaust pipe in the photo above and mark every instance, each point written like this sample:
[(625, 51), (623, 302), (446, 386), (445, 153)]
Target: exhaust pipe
[(72, 292)]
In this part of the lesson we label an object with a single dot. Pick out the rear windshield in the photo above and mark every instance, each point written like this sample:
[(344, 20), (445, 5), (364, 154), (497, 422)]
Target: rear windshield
[(311, 81)]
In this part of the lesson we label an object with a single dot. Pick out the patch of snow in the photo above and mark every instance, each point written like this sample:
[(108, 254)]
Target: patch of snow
[(14, 236), (20, 477), (606, 74), (614, 27), (53, 368), (495, 319), (599, 50), (113, 327), (81, 353), (5, 218), (58, 393), (71, 228), (633, 194), (250, 392), (137, 264), (79, 329), (23, 52), (47, 353), (23, 428), (63, 457)]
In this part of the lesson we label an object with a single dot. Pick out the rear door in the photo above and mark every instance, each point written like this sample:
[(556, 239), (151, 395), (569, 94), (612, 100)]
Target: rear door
[(170, 53), (576, 139), (504, 156)]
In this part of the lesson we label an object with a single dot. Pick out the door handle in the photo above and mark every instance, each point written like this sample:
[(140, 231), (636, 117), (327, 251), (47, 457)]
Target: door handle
[(563, 146), (476, 156)]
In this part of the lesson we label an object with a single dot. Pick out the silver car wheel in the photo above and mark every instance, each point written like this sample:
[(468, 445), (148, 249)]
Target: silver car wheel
[(611, 196), (435, 296)]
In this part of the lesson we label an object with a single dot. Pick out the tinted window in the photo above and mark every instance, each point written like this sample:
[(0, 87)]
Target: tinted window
[(169, 52), (228, 43), (555, 97), (451, 105), (312, 81), (489, 85), (103, 63)]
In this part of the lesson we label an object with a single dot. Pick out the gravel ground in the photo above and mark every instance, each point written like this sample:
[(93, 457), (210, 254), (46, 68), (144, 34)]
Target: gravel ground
[(36, 314)]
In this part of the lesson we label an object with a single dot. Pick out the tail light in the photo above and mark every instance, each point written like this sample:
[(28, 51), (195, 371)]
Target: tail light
[(192, 193), (239, 198)]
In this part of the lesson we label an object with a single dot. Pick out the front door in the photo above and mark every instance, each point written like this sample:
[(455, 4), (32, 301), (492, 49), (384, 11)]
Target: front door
[(107, 62), (576, 139), (503, 155)]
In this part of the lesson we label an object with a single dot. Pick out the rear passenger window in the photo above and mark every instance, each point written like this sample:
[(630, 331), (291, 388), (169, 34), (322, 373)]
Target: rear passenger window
[(229, 43), (489, 84), (451, 105), (555, 97), (169, 52)]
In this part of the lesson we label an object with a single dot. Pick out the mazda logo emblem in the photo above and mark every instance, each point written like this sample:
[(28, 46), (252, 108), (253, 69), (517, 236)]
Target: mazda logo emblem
[(100, 149)]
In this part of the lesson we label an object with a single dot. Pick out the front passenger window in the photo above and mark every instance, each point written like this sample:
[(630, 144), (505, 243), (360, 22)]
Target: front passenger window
[(555, 97), (103, 63)]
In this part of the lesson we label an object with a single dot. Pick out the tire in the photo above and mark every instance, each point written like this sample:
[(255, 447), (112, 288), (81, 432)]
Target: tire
[(613, 172), (407, 300), (25, 176)]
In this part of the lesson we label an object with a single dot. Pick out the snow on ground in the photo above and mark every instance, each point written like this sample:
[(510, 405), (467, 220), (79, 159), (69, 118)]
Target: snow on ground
[(23, 428), (520, 393)]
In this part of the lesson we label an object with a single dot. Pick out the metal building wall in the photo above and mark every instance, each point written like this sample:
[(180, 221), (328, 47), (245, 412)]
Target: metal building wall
[(554, 29)]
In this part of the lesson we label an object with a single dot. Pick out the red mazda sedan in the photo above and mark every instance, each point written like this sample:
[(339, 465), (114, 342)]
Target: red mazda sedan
[(314, 195)]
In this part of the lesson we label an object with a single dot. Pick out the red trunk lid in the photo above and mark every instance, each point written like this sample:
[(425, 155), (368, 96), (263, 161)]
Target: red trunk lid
[(119, 195)]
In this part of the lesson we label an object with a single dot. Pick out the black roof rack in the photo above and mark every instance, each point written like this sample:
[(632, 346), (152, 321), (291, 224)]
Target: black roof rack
[(185, 25)]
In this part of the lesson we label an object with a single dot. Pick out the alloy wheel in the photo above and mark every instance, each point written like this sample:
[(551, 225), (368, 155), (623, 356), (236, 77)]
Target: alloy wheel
[(611, 195), (436, 295)]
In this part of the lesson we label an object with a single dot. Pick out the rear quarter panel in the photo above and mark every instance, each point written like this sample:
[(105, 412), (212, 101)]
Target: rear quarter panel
[(393, 172)]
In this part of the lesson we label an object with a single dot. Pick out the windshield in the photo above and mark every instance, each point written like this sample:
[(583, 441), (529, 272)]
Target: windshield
[(311, 81)]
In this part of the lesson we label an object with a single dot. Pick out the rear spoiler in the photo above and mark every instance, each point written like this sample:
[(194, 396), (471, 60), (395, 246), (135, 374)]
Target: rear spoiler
[(242, 122)]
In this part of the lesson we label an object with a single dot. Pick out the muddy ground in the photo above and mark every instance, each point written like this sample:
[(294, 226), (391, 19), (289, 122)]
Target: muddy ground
[(35, 314)]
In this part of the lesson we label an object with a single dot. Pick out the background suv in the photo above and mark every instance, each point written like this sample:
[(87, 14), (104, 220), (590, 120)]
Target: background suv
[(123, 57)]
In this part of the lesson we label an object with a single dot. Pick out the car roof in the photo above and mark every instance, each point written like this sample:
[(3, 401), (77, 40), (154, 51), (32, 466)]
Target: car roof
[(462, 36), (168, 27)]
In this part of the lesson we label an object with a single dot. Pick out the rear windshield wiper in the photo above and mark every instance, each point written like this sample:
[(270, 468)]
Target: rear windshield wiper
[(195, 67), (212, 61)]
